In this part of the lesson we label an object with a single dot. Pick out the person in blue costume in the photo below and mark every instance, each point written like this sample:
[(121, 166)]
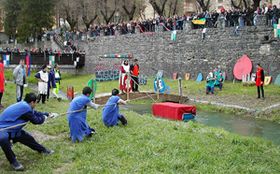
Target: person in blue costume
[(210, 80), (10, 130), (219, 77), (110, 113), (51, 82), (77, 115)]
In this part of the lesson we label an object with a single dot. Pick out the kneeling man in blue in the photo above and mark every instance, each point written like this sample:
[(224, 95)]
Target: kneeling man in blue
[(77, 116), (110, 114), (12, 120)]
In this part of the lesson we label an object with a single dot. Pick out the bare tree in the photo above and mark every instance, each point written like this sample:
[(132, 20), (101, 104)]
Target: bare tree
[(172, 8), (256, 4), (129, 8), (204, 4), (109, 11), (70, 11), (250, 5), (239, 4), (158, 6), (89, 11), (175, 7)]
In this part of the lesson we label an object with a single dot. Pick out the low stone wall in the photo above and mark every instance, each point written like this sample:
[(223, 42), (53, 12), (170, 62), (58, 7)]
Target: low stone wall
[(189, 53)]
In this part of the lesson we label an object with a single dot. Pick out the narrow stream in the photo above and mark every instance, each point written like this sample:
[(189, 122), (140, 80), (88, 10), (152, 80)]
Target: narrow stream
[(236, 124)]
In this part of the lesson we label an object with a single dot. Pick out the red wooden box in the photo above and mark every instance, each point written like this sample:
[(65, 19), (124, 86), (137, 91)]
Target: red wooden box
[(173, 111)]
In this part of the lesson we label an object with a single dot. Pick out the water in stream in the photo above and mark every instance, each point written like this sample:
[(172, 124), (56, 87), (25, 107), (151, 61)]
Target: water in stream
[(241, 125)]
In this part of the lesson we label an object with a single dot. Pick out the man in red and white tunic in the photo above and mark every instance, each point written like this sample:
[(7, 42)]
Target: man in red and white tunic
[(124, 74)]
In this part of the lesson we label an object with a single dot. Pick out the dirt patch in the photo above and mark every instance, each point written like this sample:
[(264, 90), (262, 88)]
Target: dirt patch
[(63, 169), (42, 137), (2, 162)]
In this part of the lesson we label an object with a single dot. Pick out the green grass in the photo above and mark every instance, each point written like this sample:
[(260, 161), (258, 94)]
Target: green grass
[(146, 145), (189, 87)]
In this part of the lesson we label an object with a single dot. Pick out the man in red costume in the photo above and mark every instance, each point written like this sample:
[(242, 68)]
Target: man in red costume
[(2, 81), (260, 80), (124, 74), (134, 69)]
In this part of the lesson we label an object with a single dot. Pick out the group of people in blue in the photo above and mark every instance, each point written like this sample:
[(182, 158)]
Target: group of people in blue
[(214, 79), (16, 116), (77, 114)]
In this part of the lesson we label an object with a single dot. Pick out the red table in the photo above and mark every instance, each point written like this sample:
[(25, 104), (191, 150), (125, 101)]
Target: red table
[(173, 111)]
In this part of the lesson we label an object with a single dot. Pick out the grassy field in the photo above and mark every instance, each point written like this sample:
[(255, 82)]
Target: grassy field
[(232, 94), (190, 88), (146, 145)]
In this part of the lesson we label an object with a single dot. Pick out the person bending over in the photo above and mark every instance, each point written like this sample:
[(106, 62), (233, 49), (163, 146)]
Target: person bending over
[(110, 113), (10, 130), (77, 116)]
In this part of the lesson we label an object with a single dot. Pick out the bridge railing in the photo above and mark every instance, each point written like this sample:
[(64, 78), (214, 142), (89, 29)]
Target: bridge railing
[(76, 60)]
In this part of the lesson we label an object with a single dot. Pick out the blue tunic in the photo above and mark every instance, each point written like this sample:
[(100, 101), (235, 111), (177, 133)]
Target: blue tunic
[(11, 116), (110, 113), (78, 125), (19, 113)]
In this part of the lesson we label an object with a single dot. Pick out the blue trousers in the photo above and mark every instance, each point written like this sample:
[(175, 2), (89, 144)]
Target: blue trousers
[(209, 89), (22, 137)]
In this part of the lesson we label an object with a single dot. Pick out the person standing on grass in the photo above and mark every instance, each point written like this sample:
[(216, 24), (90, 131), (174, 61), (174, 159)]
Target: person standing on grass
[(210, 81), (110, 113), (219, 78), (19, 113), (19, 76), (77, 115), (260, 80), (43, 79), (51, 81), (57, 77), (134, 70), (124, 74), (2, 81)]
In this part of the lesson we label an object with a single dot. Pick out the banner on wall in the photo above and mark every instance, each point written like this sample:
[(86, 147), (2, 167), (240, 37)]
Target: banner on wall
[(6, 60), (201, 21)]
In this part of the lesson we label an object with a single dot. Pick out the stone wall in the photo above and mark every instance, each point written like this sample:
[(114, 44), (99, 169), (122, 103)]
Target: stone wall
[(189, 53)]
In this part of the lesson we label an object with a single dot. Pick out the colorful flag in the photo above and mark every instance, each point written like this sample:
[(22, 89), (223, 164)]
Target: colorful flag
[(201, 21), (51, 60), (6, 60), (28, 63)]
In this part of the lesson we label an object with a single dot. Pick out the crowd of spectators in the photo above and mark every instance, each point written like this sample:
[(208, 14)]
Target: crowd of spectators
[(223, 18)]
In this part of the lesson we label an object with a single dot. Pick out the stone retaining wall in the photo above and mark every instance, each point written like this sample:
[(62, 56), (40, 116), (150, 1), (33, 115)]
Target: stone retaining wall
[(189, 53)]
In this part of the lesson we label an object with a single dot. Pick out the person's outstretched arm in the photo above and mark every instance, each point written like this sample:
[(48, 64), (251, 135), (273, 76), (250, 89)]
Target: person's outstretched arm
[(93, 105), (35, 117), (122, 101)]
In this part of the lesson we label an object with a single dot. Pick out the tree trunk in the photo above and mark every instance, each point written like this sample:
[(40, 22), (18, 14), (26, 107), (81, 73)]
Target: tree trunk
[(175, 8), (256, 4), (157, 8), (130, 13), (106, 17), (89, 22), (237, 6), (204, 5)]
